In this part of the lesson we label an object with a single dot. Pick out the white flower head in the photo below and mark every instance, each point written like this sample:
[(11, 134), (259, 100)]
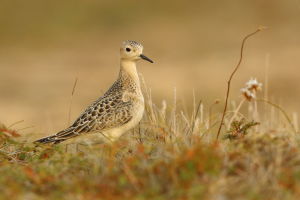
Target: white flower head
[(253, 85), (248, 94)]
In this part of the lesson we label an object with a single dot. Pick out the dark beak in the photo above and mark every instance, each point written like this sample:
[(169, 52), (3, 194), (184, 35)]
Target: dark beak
[(145, 58)]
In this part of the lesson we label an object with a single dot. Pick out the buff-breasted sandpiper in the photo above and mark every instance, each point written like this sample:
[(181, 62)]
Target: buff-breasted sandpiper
[(120, 109)]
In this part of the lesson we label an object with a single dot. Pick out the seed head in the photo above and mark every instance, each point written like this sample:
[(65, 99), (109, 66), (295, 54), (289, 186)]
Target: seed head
[(249, 95), (253, 85)]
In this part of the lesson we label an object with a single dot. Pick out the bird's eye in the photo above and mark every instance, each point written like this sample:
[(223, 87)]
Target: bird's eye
[(128, 49)]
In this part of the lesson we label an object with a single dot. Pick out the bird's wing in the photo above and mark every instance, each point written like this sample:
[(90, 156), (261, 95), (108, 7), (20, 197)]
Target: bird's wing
[(107, 112)]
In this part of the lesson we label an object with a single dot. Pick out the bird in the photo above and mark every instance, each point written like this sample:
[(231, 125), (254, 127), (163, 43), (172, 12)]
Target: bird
[(120, 108)]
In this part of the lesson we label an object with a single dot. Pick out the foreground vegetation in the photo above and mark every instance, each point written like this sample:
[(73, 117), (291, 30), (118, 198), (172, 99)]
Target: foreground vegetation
[(171, 155)]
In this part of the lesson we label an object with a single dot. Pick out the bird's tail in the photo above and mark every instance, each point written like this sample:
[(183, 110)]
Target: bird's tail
[(58, 137), (48, 140)]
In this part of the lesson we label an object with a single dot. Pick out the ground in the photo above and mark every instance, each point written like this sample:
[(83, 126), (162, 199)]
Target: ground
[(171, 155)]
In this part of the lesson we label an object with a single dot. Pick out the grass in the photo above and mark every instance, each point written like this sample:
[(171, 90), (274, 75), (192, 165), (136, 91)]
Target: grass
[(173, 154)]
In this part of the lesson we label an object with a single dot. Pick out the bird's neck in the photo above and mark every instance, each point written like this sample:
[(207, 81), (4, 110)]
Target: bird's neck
[(128, 67)]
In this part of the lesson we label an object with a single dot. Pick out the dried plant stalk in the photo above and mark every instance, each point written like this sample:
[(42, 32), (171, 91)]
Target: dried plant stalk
[(232, 74)]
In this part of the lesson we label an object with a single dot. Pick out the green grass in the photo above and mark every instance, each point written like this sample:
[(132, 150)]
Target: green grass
[(171, 155)]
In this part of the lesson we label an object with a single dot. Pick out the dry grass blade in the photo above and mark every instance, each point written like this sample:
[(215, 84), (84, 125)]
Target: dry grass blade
[(15, 123), (233, 73), (193, 124), (71, 100)]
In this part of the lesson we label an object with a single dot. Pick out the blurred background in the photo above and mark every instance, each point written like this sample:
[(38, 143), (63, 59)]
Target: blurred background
[(45, 45)]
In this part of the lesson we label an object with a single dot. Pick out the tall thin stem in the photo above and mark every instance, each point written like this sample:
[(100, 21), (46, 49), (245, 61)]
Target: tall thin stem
[(231, 76)]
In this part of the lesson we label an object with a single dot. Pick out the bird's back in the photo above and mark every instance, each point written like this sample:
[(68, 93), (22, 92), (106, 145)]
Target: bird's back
[(117, 111)]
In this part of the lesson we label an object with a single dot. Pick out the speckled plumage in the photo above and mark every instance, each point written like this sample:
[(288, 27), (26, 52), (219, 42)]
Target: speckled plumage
[(117, 111)]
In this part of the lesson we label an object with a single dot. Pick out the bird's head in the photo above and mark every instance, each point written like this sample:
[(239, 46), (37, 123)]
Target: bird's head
[(133, 51)]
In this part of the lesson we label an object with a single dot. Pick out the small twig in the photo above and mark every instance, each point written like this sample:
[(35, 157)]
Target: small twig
[(71, 100), (232, 74)]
